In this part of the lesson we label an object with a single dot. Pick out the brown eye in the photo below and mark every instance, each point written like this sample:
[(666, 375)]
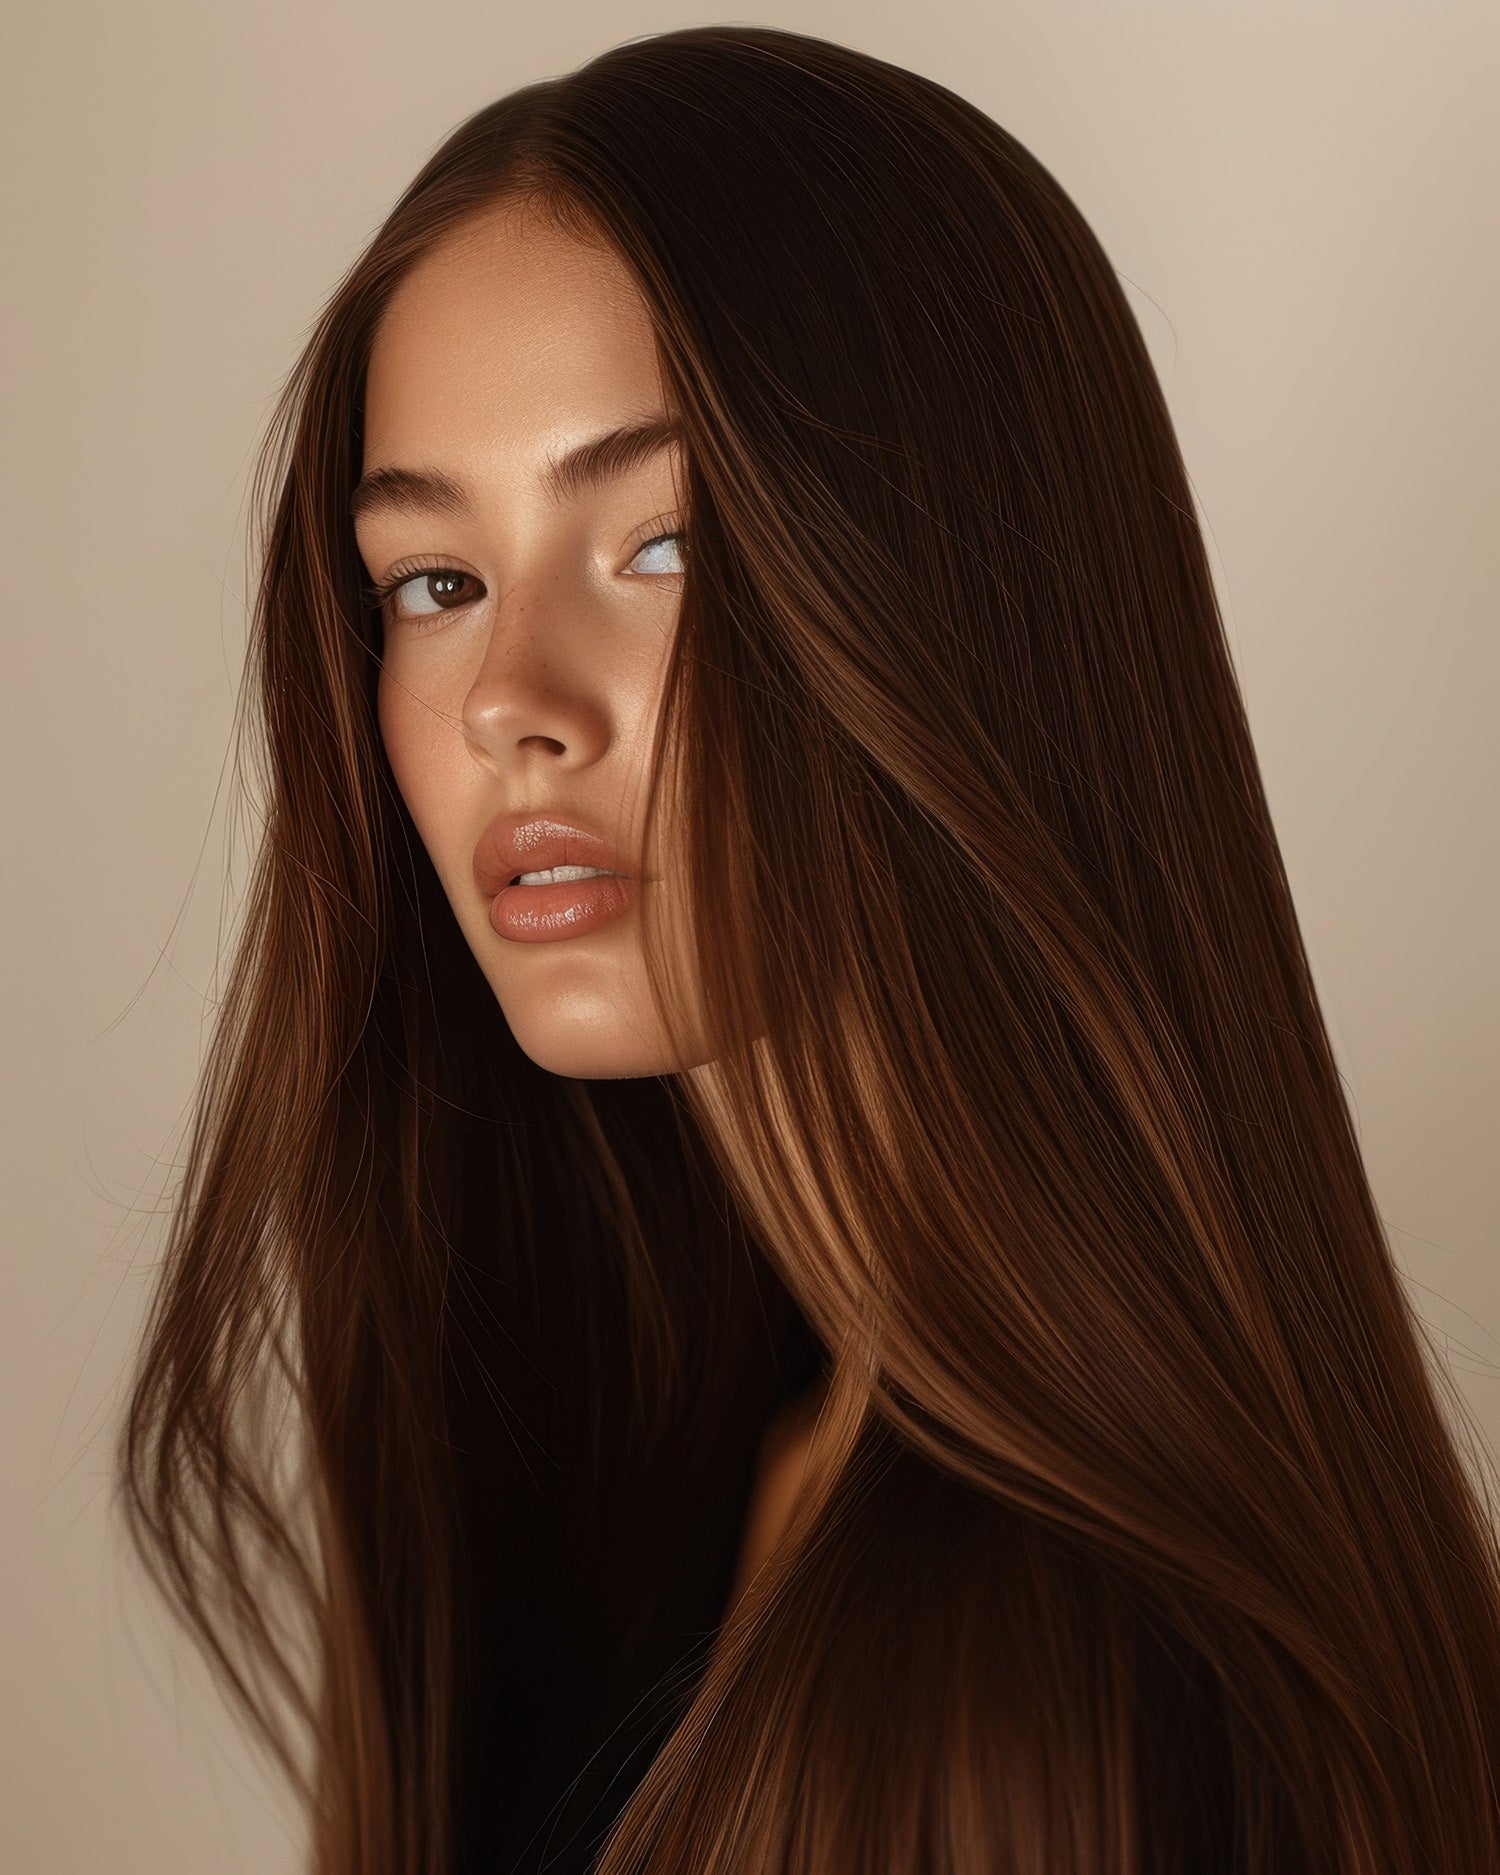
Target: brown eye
[(436, 589)]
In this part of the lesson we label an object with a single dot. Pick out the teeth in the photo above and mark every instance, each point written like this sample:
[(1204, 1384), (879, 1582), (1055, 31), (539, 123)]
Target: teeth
[(560, 875)]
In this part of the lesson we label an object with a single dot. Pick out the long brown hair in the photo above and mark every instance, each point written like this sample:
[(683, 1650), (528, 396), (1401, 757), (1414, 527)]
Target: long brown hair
[(1137, 1536)]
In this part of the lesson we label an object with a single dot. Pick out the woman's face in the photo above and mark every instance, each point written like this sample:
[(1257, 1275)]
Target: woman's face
[(526, 642)]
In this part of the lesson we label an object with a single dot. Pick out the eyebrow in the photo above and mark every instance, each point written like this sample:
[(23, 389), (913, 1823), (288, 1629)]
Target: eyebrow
[(421, 491)]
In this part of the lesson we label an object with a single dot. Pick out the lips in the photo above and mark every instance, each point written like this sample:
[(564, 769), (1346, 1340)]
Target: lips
[(517, 843)]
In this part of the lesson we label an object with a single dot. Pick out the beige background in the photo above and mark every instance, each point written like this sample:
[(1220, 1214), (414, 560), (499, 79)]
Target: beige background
[(1302, 201)]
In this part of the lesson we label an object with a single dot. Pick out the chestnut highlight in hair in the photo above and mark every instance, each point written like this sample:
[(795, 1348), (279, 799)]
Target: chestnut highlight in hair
[(1136, 1536)]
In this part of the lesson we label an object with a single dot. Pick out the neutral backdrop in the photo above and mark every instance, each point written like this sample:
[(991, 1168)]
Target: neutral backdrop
[(1301, 201)]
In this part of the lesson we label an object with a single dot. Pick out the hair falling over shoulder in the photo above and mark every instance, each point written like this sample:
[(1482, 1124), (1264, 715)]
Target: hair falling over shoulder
[(1140, 1537)]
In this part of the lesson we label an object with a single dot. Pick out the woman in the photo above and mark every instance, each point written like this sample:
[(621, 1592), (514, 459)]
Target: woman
[(862, 1341)]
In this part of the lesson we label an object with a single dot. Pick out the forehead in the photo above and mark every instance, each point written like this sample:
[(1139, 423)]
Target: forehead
[(508, 333)]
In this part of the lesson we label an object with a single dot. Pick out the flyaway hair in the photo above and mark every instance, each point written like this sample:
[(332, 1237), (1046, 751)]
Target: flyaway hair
[(1139, 1537)]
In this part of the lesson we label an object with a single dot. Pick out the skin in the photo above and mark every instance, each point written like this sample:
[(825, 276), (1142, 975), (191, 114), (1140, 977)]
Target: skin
[(535, 683), (781, 1469)]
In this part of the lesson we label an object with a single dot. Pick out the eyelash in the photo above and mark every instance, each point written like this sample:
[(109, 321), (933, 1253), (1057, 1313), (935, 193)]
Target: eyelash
[(379, 596)]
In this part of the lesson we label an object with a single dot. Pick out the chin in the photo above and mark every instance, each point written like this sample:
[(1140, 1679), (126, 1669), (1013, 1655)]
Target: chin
[(597, 1045), (584, 1058)]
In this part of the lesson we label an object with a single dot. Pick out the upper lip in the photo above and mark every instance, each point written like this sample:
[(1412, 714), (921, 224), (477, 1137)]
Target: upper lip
[(532, 842)]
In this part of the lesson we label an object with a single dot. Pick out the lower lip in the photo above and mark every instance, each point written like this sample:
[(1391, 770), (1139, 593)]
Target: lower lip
[(538, 914)]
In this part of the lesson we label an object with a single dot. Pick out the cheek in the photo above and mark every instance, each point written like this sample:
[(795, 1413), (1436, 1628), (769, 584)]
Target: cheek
[(416, 755), (393, 711)]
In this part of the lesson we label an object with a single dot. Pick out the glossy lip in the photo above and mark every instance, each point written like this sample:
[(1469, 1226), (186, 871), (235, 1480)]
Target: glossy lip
[(517, 843), (539, 914)]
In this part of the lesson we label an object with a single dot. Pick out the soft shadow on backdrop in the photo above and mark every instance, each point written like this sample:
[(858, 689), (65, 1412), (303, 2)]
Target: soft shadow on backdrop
[(1301, 202)]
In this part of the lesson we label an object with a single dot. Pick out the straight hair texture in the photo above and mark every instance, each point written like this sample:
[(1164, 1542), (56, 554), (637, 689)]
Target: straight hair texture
[(1135, 1535)]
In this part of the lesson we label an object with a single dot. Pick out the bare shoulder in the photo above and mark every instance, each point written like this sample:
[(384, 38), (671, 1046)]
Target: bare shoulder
[(782, 1462), (790, 1428)]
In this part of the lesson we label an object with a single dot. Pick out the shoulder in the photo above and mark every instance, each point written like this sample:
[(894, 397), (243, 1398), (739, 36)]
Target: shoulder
[(780, 1466), (789, 1430)]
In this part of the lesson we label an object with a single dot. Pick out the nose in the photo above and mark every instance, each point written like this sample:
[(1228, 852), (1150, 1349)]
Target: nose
[(538, 696)]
